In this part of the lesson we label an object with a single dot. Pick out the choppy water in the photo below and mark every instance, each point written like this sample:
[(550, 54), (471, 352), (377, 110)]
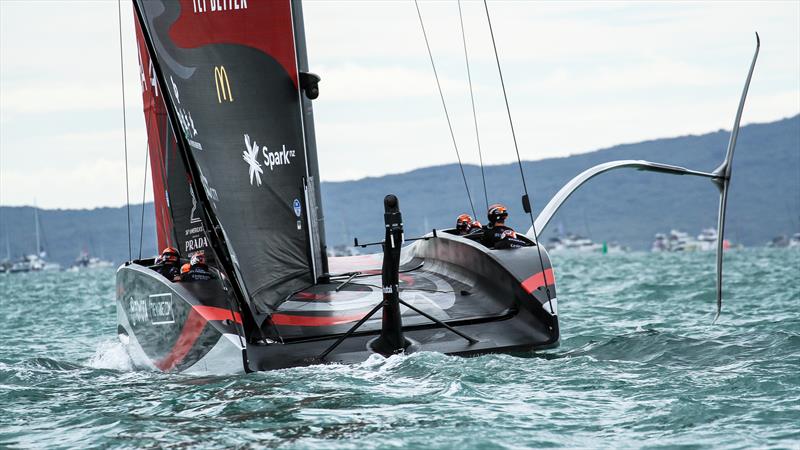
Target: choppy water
[(639, 365)]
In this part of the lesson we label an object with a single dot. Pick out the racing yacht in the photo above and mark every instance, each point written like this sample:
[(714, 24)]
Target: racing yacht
[(228, 109)]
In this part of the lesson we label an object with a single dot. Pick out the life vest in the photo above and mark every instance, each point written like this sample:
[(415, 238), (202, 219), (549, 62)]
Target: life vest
[(198, 273)]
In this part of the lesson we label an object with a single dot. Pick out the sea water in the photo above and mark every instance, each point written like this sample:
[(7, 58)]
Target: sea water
[(640, 365)]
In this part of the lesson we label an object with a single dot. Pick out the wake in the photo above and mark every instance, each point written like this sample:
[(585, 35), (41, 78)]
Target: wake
[(111, 354)]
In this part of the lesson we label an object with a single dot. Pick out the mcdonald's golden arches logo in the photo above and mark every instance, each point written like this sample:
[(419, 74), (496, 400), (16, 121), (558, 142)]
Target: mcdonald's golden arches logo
[(222, 84)]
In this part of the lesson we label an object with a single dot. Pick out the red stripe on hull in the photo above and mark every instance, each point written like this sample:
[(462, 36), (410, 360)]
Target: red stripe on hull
[(191, 331), (192, 328), (314, 321), (214, 313), (538, 280)]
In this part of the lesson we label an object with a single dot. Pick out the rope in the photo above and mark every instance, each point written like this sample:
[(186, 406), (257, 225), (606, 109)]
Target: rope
[(472, 98), (444, 106), (124, 127), (516, 148)]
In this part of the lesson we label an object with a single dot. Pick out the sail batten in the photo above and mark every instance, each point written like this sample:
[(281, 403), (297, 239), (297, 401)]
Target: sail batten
[(232, 81)]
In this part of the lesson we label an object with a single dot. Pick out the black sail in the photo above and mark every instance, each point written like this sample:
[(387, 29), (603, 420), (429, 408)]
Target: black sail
[(231, 74)]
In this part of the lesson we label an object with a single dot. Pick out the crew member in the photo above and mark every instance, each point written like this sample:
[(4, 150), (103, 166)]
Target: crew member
[(198, 270), (168, 264), (465, 225), (496, 234)]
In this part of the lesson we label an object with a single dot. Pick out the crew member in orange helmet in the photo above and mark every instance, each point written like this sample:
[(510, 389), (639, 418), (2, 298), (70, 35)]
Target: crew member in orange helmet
[(168, 264), (465, 225), (496, 234), (198, 270)]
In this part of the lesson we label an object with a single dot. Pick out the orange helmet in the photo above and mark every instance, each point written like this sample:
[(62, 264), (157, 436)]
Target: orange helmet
[(463, 223), (497, 213), (185, 268), (169, 254), (198, 258)]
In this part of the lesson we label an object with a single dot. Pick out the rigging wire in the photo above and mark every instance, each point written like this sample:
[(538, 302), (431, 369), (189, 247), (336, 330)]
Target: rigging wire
[(444, 106), (519, 160), (472, 98), (124, 128)]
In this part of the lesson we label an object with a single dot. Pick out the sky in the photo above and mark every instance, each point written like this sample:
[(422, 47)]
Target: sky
[(580, 76)]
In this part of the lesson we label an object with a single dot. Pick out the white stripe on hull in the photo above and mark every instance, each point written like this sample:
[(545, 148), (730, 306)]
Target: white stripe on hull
[(225, 358)]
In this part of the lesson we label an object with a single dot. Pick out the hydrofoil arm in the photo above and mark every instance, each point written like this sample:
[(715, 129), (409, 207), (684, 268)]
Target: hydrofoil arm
[(721, 177)]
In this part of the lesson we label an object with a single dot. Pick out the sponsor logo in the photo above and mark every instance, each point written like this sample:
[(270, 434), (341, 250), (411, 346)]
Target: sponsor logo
[(175, 89), (194, 230), (297, 208), (187, 123), (210, 192), (278, 158), (192, 218), (270, 159), (195, 244), (156, 310), (223, 84), (249, 157), (137, 311), (151, 77), (205, 6), (160, 308), (185, 118)]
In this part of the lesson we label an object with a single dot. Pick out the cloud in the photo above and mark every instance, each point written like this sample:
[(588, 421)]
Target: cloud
[(42, 98), (580, 76), (88, 184), (355, 83)]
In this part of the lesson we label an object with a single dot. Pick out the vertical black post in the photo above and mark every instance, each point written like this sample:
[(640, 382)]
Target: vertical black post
[(391, 339), (310, 136)]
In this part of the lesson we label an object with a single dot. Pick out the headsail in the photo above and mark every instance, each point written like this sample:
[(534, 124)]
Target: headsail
[(178, 223), (231, 76)]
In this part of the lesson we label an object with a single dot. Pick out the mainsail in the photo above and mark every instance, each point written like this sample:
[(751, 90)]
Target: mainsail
[(231, 74)]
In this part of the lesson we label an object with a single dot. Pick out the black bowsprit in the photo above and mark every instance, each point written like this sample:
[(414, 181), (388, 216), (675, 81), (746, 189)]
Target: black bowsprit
[(391, 339)]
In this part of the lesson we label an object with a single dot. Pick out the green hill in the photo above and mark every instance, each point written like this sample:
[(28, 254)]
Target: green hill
[(624, 206)]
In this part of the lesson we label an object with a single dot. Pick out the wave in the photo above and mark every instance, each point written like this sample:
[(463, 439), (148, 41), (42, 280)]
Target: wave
[(111, 354)]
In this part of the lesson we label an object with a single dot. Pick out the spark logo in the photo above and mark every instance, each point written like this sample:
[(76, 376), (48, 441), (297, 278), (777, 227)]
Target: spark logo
[(271, 159)]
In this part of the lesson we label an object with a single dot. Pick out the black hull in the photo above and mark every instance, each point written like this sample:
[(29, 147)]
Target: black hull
[(497, 297)]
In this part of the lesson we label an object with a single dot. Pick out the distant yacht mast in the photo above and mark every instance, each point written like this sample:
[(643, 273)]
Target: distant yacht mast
[(36, 224)]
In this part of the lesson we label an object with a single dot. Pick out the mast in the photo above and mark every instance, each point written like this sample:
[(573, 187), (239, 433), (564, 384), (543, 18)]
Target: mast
[(318, 228), (36, 225)]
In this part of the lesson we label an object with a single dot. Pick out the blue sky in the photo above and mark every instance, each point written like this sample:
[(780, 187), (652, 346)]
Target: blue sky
[(580, 76)]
